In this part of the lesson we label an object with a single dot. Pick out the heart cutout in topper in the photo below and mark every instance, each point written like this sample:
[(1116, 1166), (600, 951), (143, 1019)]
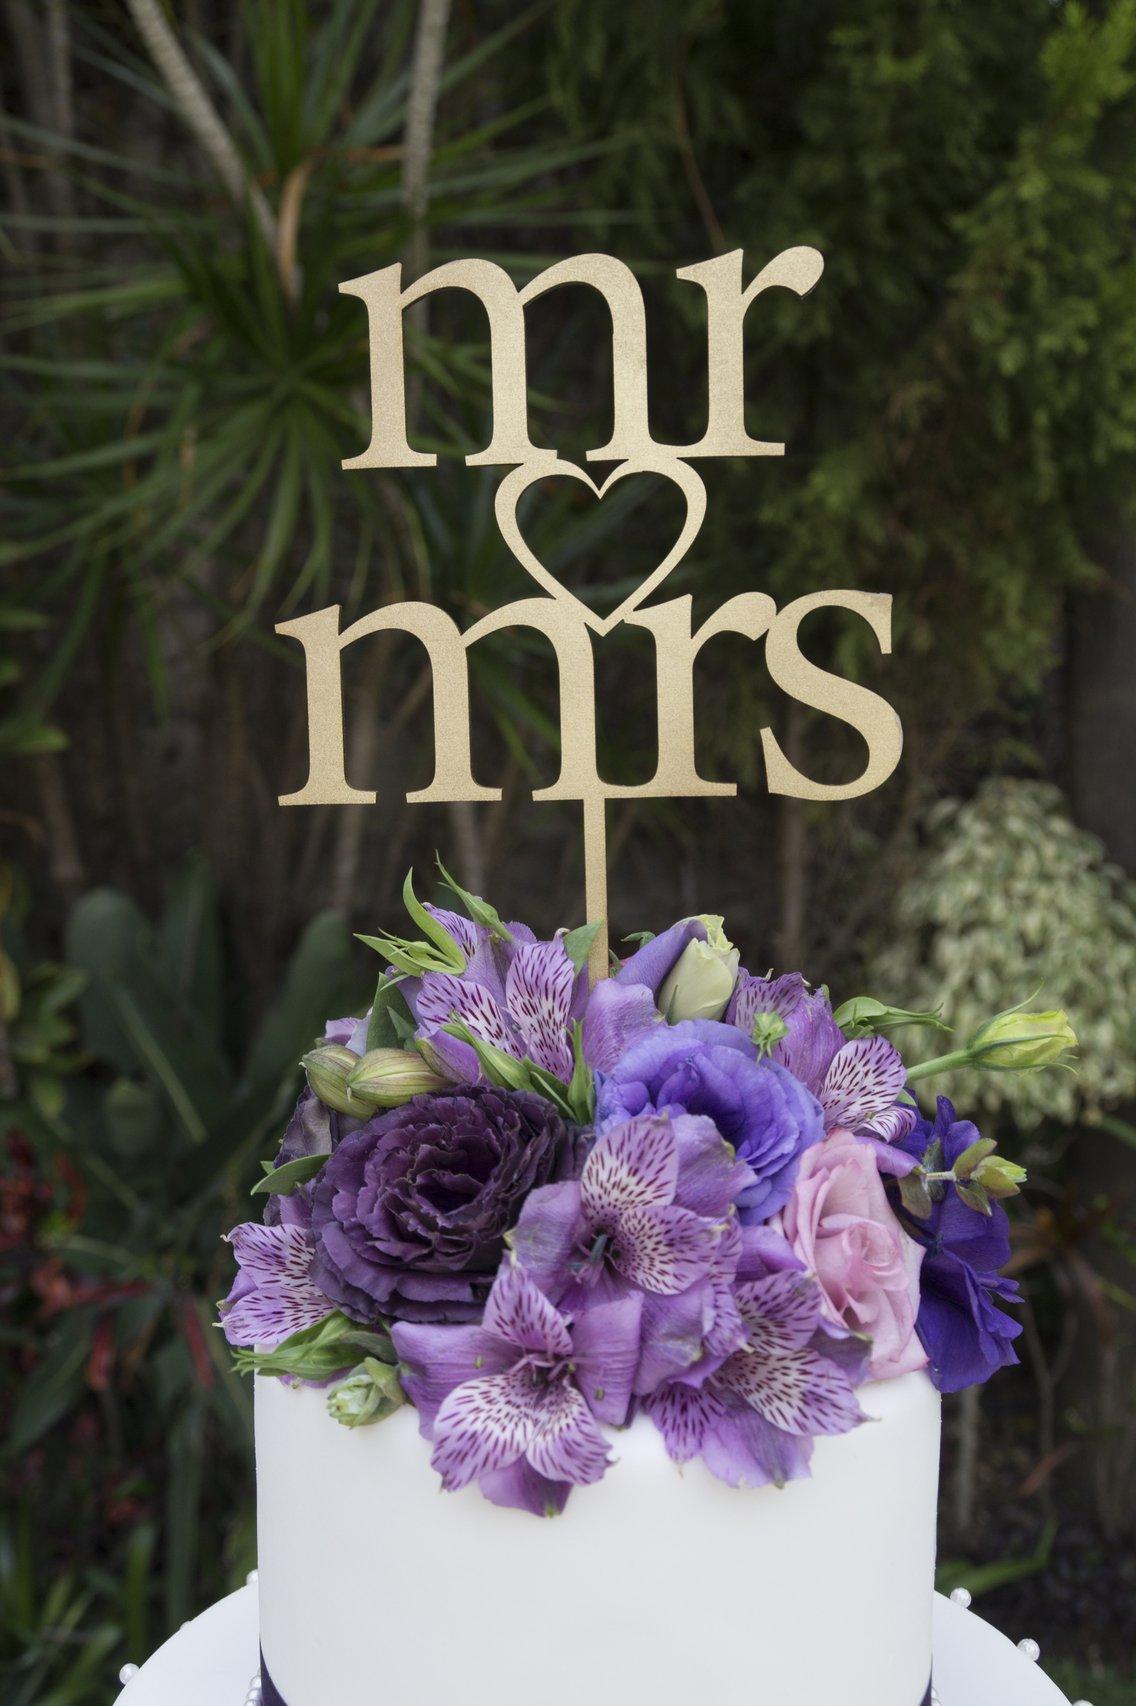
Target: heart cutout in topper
[(518, 481)]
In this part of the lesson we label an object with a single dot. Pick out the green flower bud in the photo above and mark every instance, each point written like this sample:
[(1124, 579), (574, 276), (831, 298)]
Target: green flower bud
[(370, 1393), (767, 1031), (999, 1177), (1020, 1042), (328, 1068), (702, 979), (388, 1077)]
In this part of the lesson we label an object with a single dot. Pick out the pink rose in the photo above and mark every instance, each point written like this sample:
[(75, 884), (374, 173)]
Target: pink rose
[(840, 1224)]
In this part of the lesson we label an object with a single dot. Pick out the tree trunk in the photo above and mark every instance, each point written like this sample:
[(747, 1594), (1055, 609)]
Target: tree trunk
[(1102, 740)]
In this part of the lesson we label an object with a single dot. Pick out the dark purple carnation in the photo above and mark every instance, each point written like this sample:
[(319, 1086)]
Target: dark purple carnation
[(699, 1067), (966, 1335), (410, 1212)]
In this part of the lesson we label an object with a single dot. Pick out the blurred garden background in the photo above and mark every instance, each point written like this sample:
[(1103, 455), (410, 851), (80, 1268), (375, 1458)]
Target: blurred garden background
[(185, 186)]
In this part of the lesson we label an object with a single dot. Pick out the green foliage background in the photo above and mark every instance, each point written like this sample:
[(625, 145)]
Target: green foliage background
[(182, 382)]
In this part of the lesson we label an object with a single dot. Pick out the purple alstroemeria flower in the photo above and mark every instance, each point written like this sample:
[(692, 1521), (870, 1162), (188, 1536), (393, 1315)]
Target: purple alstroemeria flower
[(702, 1067), (515, 1403), (857, 1083), (648, 1214), (966, 1336), (523, 997), (273, 1295), (753, 1419)]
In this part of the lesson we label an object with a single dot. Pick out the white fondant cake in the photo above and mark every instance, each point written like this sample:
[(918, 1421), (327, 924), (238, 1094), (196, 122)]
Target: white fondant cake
[(658, 1585)]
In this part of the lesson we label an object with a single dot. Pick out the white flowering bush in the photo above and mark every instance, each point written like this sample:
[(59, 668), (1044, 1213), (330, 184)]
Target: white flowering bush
[(1011, 896)]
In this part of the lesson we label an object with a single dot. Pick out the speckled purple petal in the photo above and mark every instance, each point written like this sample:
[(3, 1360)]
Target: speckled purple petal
[(780, 1313), (567, 1444), (662, 1249), (632, 1165), (442, 997), (483, 1425), (754, 995), (274, 1294), (518, 1312), (684, 1415), (862, 1082), (538, 992)]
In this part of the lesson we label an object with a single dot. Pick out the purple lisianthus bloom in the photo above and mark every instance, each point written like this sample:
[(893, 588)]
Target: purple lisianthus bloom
[(410, 1212), (515, 1403), (274, 1294), (649, 1213), (753, 1418), (650, 966), (701, 1067), (857, 1083), (966, 1335)]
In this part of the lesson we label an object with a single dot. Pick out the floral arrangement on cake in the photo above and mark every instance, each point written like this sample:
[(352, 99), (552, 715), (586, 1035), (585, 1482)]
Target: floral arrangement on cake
[(536, 1207)]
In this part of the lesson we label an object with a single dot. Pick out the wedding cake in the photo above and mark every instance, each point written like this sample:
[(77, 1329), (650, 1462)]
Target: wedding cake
[(600, 1327)]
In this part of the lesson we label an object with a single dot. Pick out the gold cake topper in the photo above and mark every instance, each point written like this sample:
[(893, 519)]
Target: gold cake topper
[(557, 613)]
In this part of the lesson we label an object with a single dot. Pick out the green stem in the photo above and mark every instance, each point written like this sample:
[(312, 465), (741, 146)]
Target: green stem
[(941, 1063)]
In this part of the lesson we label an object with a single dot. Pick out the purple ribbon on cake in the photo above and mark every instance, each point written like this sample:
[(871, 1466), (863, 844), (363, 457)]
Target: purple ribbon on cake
[(271, 1695)]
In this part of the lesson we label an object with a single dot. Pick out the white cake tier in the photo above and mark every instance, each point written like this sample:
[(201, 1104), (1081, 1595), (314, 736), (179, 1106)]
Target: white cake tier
[(655, 1587)]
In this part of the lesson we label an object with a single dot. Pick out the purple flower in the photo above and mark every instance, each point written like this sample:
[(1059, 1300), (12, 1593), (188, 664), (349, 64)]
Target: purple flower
[(856, 1083), (515, 1404), (313, 1130), (753, 1418), (521, 996), (410, 1212), (273, 1295), (651, 965), (700, 1067), (966, 1336), (649, 1214)]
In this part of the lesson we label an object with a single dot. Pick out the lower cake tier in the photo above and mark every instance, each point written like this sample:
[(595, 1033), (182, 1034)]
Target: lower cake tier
[(656, 1586)]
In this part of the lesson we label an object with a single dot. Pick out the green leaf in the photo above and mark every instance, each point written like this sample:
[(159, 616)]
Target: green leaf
[(52, 1388), (971, 1156), (390, 1016), (582, 1089), (553, 1089), (578, 943), (975, 1196), (315, 984), (479, 910), (283, 1180), (502, 1069), (431, 928)]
